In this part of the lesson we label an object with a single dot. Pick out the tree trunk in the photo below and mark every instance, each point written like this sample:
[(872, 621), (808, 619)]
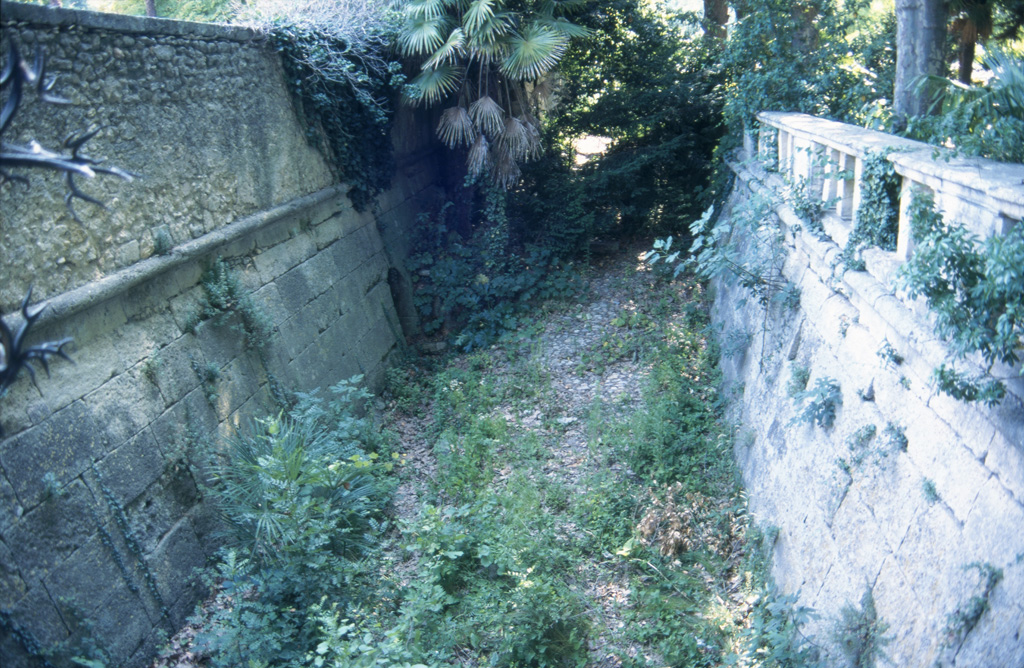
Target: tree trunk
[(716, 15), (966, 58), (920, 41), (150, 7)]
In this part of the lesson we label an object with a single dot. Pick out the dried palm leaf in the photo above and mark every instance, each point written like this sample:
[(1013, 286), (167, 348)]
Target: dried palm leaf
[(543, 93), (505, 170), (487, 115), (532, 126), (478, 156), (515, 138), (456, 127)]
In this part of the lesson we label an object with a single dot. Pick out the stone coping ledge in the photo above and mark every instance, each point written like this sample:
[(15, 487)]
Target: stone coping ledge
[(1001, 182), (40, 15), (844, 137), (96, 292)]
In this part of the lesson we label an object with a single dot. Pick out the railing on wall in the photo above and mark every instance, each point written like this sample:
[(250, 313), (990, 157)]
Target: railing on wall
[(985, 196)]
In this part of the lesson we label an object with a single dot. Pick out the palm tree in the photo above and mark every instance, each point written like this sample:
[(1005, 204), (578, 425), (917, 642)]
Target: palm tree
[(489, 60)]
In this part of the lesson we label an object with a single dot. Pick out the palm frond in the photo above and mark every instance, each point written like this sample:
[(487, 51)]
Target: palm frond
[(565, 27), (1007, 82), (427, 9), (479, 13), (422, 35), (487, 115), (562, 7), (450, 51), (491, 31), (533, 52), (487, 52), (478, 156), (433, 85), (456, 127)]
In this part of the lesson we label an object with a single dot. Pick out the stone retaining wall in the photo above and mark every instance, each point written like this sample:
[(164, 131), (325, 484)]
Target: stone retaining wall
[(858, 509), (101, 513), (199, 112)]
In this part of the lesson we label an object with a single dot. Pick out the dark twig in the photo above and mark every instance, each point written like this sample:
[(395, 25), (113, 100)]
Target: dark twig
[(15, 75), (15, 355)]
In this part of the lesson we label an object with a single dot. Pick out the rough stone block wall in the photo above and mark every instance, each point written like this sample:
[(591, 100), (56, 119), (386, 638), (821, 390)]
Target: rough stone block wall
[(911, 522), (199, 112), (102, 520)]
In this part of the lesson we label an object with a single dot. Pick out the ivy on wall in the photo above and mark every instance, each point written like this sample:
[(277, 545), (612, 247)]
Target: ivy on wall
[(347, 102), (878, 213)]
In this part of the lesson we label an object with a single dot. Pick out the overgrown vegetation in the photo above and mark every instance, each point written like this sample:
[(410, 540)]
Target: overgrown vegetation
[(962, 621), (861, 634), (818, 405), (878, 213), (973, 288), (496, 563), (225, 296), (340, 68)]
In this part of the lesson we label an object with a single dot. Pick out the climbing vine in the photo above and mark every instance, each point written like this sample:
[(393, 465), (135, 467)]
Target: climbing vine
[(878, 213), (346, 98), (974, 291)]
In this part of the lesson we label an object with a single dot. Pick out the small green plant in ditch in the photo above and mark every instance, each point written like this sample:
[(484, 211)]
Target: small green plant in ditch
[(799, 376), (52, 489), (224, 295), (858, 441), (151, 368), (860, 634), (844, 325), (895, 436), (163, 244), (962, 621), (889, 355), (208, 375), (931, 494), (819, 403)]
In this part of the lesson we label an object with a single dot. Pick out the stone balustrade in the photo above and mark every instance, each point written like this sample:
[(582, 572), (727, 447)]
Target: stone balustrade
[(983, 195)]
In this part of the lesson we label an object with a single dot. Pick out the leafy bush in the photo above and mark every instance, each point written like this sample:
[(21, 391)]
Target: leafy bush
[(300, 502), (861, 634), (815, 56), (985, 120), (649, 81), (878, 214), (475, 290), (773, 638)]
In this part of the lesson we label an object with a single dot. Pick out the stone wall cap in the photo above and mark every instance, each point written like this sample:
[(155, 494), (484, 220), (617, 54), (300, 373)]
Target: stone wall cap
[(842, 136), (1002, 181), (14, 12)]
